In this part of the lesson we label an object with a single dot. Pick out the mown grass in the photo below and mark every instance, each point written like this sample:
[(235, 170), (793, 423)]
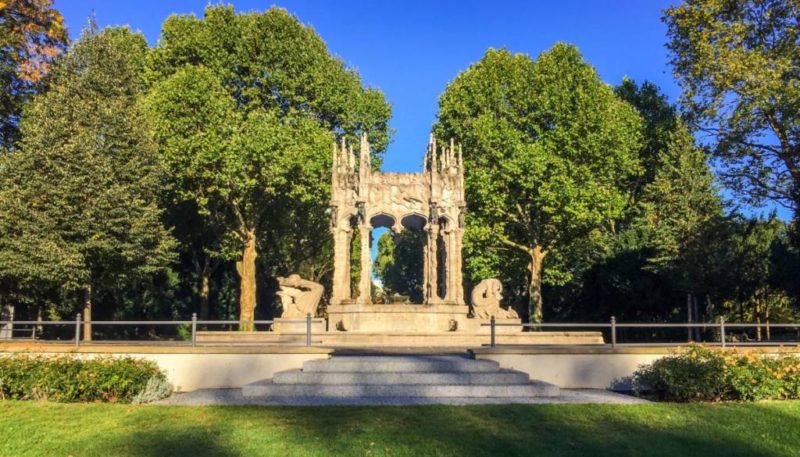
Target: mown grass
[(760, 429)]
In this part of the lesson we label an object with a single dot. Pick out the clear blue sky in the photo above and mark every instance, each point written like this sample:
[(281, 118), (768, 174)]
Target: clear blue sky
[(411, 49)]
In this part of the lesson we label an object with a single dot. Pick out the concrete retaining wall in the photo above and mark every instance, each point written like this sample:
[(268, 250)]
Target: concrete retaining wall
[(582, 368), (196, 368)]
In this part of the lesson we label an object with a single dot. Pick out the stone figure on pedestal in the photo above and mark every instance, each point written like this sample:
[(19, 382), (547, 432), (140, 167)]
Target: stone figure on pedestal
[(486, 298), (299, 297)]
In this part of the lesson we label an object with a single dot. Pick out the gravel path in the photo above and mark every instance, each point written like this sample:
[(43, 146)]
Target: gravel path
[(234, 397)]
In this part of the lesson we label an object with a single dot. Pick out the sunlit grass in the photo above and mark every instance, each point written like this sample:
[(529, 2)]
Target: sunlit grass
[(761, 429)]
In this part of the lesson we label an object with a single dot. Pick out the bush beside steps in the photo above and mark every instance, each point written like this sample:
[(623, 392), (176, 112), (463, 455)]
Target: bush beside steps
[(697, 373), (66, 378)]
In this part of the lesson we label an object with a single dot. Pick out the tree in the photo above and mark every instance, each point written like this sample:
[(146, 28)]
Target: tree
[(398, 263), (78, 206), (660, 121), (548, 148), (739, 66), (681, 215), (32, 34), (245, 108)]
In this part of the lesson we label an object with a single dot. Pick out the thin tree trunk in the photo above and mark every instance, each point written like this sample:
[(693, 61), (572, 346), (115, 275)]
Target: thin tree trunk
[(39, 318), (535, 304), (247, 281), (87, 313), (757, 315), (766, 321), (205, 288)]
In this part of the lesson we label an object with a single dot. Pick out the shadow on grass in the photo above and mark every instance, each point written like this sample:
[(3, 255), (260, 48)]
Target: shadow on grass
[(545, 430), (767, 430)]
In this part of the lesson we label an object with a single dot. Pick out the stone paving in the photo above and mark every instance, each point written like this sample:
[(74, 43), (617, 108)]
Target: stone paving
[(235, 397)]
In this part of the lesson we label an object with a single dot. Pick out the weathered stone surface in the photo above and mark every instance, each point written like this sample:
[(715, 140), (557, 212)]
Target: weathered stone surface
[(299, 297), (486, 298), (362, 199)]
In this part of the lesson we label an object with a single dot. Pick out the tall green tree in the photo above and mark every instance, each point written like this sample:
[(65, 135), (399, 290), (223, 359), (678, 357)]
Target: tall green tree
[(681, 216), (660, 120), (738, 63), (32, 34), (245, 108), (78, 204), (548, 149)]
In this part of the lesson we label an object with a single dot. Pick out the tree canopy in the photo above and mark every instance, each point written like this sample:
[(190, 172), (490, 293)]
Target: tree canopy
[(548, 148), (245, 108), (738, 64), (79, 200), (32, 34)]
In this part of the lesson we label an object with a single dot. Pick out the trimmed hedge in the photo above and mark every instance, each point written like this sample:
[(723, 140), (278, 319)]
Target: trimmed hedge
[(66, 378), (698, 373)]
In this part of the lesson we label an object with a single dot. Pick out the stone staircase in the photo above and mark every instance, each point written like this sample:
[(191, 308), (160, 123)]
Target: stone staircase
[(399, 379)]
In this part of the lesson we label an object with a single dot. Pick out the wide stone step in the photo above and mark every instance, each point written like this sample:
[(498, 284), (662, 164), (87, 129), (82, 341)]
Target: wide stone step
[(394, 364), (269, 390), (388, 377)]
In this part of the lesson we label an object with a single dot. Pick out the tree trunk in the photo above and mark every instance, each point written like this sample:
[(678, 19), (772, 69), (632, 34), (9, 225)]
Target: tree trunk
[(87, 313), (247, 282), (535, 304), (757, 315), (766, 322), (205, 289)]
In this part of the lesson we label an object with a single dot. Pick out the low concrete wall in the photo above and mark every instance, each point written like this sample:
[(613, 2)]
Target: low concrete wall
[(583, 367), (195, 368)]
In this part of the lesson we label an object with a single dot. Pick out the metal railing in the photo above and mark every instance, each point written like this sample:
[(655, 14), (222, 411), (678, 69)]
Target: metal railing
[(613, 326), (193, 323)]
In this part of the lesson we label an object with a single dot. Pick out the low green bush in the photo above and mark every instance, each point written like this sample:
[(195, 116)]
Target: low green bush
[(66, 378), (698, 373)]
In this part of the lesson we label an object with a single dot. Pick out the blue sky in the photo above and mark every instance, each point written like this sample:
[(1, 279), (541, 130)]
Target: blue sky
[(411, 49)]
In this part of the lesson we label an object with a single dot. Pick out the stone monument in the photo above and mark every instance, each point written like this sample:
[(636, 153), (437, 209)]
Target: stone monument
[(433, 201), (299, 298), (486, 298)]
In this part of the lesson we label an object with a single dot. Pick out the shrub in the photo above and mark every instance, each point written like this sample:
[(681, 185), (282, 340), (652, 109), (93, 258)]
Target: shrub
[(66, 378), (697, 373)]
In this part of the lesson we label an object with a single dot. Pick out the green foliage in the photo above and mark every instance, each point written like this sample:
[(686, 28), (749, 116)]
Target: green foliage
[(548, 149), (68, 378), (681, 212), (245, 108), (32, 35), (737, 65), (697, 373), (399, 263), (79, 200)]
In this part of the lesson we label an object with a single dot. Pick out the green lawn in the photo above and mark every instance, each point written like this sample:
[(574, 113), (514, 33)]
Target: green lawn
[(43, 429)]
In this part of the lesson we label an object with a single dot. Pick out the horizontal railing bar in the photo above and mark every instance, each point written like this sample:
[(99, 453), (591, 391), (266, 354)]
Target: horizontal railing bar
[(644, 325)]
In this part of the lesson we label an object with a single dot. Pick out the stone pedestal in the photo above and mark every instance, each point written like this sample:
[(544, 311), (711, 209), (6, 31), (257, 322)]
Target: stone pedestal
[(397, 318), (297, 326)]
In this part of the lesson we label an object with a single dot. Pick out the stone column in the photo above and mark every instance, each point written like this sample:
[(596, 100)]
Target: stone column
[(365, 280), (458, 281), (452, 267), (341, 265), (433, 269)]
